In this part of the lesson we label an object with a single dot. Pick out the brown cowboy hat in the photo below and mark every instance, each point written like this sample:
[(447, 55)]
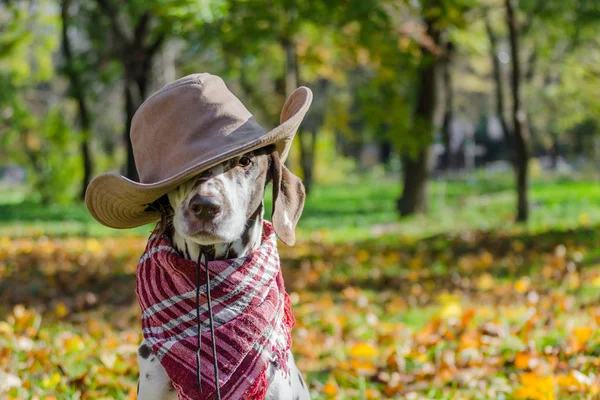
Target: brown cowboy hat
[(184, 128)]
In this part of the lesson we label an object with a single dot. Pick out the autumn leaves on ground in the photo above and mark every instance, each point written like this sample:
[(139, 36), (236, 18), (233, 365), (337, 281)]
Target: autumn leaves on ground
[(462, 314)]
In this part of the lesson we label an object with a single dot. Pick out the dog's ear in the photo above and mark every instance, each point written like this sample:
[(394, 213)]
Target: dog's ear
[(288, 200)]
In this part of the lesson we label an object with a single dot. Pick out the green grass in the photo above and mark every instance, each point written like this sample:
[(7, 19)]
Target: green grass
[(361, 209)]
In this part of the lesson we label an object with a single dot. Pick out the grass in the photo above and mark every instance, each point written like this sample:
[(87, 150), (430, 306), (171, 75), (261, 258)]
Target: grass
[(361, 209), (459, 304)]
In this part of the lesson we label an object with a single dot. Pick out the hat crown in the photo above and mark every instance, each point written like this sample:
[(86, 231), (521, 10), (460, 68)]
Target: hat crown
[(184, 121)]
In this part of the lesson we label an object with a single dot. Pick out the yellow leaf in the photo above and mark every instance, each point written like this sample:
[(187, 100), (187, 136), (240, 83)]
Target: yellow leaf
[(522, 360), (535, 387), (74, 343), (362, 256), (93, 246), (452, 310), (52, 381), (6, 328), (522, 284), (372, 394), (575, 381), (363, 350), (485, 282), (330, 389), (582, 334), (61, 309)]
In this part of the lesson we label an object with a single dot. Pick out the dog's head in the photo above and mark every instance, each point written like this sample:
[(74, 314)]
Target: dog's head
[(216, 205)]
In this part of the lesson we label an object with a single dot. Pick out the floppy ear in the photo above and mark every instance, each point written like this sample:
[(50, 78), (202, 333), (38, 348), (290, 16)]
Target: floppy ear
[(288, 200)]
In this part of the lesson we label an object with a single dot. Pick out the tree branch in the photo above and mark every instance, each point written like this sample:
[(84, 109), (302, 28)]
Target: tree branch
[(141, 28), (156, 44), (118, 30)]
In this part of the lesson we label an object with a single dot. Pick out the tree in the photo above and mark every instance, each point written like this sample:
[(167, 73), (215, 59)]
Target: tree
[(559, 38), (414, 166), (447, 159), (78, 93), (498, 82), (438, 16), (137, 31), (521, 136), (33, 131), (279, 47)]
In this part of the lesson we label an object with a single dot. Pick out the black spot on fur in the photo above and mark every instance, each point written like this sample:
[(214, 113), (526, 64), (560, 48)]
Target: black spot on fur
[(297, 397), (147, 375), (187, 251), (250, 224), (231, 253), (300, 379), (246, 234), (144, 351)]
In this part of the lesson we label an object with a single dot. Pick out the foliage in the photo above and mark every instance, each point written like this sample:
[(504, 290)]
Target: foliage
[(561, 38), (34, 132)]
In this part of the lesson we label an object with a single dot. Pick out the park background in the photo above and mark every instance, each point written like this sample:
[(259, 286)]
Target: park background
[(449, 244)]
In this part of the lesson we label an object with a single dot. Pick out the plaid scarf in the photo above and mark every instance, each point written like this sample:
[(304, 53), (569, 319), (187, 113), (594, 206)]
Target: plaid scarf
[(252, 318)]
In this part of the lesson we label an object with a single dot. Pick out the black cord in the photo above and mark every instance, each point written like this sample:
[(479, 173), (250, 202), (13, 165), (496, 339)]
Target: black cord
[(211, 323), (212, 331), (199, 339)]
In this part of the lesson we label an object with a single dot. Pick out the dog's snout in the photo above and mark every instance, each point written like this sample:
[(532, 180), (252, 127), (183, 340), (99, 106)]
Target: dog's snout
[(205, 207)]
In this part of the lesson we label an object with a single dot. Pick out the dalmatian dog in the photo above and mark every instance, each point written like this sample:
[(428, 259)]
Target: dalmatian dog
[(221, 210)]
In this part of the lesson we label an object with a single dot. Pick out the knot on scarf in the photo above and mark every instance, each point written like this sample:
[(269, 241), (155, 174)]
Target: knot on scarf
[(251, 312)]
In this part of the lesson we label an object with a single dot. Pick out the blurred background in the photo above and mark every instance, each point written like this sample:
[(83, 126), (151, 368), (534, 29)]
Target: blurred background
[(449, 244)]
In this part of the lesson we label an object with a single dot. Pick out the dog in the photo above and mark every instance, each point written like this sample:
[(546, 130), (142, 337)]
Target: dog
[(220, 211)]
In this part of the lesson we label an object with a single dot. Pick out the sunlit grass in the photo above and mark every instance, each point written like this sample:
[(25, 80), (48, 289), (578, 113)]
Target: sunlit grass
[(364, 208)]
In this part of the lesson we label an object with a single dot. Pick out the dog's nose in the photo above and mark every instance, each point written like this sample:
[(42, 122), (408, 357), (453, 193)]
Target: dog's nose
[(205, 208)]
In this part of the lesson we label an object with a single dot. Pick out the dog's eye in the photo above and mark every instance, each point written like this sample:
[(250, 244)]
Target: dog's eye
[(244, 161)]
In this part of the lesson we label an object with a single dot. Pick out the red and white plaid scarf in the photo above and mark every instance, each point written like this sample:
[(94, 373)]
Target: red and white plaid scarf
[(252, 318)]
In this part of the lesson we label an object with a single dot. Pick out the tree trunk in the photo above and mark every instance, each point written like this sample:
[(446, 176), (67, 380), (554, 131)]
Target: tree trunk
[(130, 107), (307, 142), (447, 161), (518, 117), (532, 63), (257, 97), (291, 67), (414, 176), (290, 84), (136, 56), (415, 171), (307, 157), (136, 83), (554, 152), (497, 72), (78, 93), (385, 150)]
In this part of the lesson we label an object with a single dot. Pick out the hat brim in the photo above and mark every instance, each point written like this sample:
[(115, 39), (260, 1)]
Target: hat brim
[(118, 202)]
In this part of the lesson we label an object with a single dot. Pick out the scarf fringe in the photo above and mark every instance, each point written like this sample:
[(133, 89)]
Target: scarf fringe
[(259, 389)]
